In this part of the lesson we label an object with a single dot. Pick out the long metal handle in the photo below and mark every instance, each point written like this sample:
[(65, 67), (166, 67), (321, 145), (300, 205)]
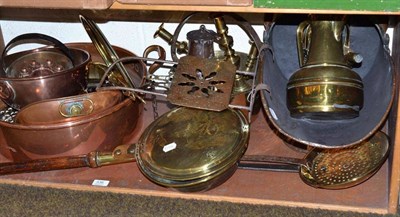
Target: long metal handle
[(272, 159), (269, 167), (270, 163)]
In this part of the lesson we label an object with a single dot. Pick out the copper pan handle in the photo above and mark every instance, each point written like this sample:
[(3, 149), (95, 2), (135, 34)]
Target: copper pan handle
[(7, 93), (35, 38), (121, 154)]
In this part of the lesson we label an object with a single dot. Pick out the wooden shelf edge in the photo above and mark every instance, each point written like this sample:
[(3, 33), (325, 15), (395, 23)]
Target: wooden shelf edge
[(192, 196), (395, 173), (240, 9)]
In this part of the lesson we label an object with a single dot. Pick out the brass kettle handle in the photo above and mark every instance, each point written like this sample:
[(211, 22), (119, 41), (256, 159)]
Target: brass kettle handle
[(303, 41), (303, 36)]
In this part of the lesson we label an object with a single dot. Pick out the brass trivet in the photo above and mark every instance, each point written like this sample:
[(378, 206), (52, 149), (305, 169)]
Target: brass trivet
[(202, 83)]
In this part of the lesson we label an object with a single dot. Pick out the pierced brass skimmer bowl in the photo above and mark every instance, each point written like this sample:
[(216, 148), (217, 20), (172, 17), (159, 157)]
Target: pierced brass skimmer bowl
[(191, 149)]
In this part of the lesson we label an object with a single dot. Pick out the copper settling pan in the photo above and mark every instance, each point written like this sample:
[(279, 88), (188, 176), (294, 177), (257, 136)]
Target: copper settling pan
[(102, 130)]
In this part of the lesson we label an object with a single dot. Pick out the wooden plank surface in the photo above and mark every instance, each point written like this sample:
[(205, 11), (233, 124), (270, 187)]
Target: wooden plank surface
[(255, 187)]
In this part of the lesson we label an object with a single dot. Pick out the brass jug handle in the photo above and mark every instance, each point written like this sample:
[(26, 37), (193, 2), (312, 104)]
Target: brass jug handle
[(302, 36)]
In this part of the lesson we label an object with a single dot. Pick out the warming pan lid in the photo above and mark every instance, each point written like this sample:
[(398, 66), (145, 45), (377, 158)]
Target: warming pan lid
[(186, 144)]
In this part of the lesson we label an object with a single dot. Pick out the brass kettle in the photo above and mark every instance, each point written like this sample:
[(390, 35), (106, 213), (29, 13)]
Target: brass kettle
[(325, 87)]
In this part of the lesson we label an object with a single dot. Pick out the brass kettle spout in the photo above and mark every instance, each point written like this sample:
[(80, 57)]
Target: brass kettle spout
[(181, 46)]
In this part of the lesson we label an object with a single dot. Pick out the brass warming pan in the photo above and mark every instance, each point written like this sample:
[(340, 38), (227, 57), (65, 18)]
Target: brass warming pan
[(185, 149)]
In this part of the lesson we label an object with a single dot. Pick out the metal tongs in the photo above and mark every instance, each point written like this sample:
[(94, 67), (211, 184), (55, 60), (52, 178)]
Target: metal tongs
[(118, 77)]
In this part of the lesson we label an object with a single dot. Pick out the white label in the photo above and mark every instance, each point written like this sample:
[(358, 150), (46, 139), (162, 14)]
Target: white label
[(102, 183), (273, 114), (169, 147)]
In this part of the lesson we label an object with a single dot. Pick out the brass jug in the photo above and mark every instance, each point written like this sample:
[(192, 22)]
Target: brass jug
[(325, 87)]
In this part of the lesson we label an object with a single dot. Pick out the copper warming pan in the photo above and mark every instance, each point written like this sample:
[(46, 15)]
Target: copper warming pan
[(78, 124)]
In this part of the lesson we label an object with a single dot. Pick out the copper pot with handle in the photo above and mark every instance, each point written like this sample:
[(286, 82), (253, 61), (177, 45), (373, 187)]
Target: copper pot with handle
[(42, 73)]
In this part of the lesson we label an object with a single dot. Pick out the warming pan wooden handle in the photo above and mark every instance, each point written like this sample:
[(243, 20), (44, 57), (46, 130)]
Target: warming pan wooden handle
[(121, 154), (45, 164)]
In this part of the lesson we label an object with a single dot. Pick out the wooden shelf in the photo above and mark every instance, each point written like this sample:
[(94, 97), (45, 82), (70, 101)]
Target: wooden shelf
[(245, 186)]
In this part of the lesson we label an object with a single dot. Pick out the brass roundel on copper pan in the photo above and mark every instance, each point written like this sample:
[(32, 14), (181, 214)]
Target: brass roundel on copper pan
[(65, 110)]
